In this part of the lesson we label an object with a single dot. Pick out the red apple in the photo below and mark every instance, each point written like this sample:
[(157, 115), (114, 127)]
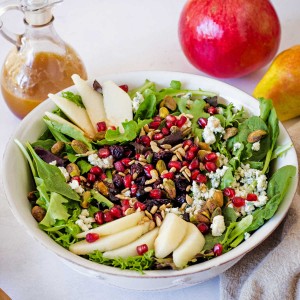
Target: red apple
[(229, 38)]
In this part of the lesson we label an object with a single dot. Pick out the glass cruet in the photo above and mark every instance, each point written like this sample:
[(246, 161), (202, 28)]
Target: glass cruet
[(40, 62)]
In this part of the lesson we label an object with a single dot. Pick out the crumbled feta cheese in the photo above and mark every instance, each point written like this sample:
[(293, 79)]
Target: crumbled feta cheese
[(136, 101), (220, 110), (74, 184), (84, 220), (208, 136), (249, 207), (256, 146), (236, 146), (174, 210), (215, 178), (218, 225), (213, 126), (65, 173), (261, 201), (187, 96), (246, 235), (103, 163), (53, 163), (222, 159)]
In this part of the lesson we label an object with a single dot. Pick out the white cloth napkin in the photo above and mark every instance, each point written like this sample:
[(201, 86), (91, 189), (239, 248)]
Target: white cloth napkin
[(271, 270)]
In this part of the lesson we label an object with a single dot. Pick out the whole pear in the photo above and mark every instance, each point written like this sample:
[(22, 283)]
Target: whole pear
[(281, 83)]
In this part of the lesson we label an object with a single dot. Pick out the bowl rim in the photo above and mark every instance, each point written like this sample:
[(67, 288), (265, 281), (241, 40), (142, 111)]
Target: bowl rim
[(255, 239)]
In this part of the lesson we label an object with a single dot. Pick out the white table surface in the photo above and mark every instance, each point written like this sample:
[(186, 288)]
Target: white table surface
[(110, 36)]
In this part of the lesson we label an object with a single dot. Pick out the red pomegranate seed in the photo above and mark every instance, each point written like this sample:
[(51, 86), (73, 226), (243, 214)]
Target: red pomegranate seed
[(99, 217), (112, 127), (168, 175), (218, 248), (174, 164), (101, 126), (212, 110), (91, 177), (171, 118), (252, 197), (169, 124), (229, 192), (124, 208), (187, 143), (133, 189), (158, 136), (194, 164), (125, 161), (210, 166), (204, 229), (141, 249), (212, 156), (181, 121), (137, 156), (190, 155), (194, 148), (154, 124), (103, 176), (124, 87), (157, 119), (119, 166), (201, 178), (127, 179), (96, 170), (165, 131), (155, 194), (145, 140), (125, 202), (92, 237), (202, 122), (108, 216), (139, 205), (147, 169), (116, 211), (103, 152), (195, 173), (185, 163), (77, 178), (238, 201)]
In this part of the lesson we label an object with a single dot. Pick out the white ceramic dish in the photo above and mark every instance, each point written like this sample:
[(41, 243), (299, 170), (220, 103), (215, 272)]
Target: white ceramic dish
[(17, 184)]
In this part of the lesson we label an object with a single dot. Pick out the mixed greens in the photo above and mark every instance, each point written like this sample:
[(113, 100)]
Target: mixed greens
[(182, 153)]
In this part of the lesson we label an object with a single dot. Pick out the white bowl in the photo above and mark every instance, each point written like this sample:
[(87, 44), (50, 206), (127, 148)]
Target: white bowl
[(18, 184)]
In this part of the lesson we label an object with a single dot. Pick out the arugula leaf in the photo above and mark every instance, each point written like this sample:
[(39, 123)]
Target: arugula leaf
[(75, 98), (84, 166), (175, 84), (280, 150), (231, 117), (146, 109), (141, 89)]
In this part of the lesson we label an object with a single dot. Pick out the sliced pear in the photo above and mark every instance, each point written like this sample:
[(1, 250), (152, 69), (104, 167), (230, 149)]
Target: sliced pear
[(171, 233), (116, 225), (130, 249), (76, 114), (117, 104), (92, 100), (192, 243), (110, 242)]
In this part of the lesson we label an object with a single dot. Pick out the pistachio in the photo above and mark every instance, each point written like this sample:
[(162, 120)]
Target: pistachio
[(101, 187), (57, 147), (202, 218), (86, 198), (230, 132), (216, 212), (38, 213), (202, 153), (170, 103), (163, 112), (161, 166), (99, 135), (256, 136), (169, 187), (204, 146), (79, 147), (154, 174), (218, 198), (73, 169), (211, 205)]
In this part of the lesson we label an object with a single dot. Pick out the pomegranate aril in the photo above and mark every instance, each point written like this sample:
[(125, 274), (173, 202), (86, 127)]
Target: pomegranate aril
[(125, 202), (238, 201), (165, 131), (154, 124), (218, 248), (195, 173), (210, 166), (155, 194), (252, 197), (190, 155), (103, 176), (212, 156), (174, 164), (201, 178), (141, 249), (116, 211), (185, 163), (124, 208), (127, 179), (108, 216), (171, 118), (168, 175), (91, 177), (194, 148), (139, 205), (137, 156), (229, 192), (92, 237), (119, 166), (194, 164), (181, 121), (96, 170), (125, 161), (203, 228), (157, 119), (145, 140), (103, 153), (99, 217), (112, 127), (133, 189), (202, 122), (212, 110), (169, 124), (124, 87), (158, 136), (187, 143), (147, 169), (77, 178), (101, 126)]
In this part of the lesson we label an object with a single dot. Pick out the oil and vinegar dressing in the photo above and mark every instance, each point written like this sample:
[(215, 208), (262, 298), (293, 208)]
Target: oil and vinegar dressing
[(27, 81)]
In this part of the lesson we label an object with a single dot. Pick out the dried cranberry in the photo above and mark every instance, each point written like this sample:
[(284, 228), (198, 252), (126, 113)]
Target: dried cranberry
[(136, 168), (252, 197), (119, 166), (140, 194), (92, 237), (204, 229), (202, 122), (218, 248), (181, 183), (103, 152), (116, 151), (179, 200), (238, 201), (164, 155), (99, 217), (118, 181), (141, 249), (229, 192)]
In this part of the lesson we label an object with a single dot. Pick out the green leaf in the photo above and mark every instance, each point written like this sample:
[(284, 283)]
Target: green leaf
[(279, 151), (141, 89), (84, 166), (175, 84), (147, 108), (265, 107), (227, 179), (230, 215), (45, 144), (211, 240), (75, 98), (101, 199)]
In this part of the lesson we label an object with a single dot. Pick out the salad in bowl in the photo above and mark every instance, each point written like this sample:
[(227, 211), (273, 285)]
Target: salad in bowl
[(154, 177)]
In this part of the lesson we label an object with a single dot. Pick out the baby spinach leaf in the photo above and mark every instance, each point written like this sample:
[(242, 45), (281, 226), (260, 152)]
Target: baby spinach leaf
[(45, 144), (229, 215), (211, 240), (57, 135), (227, 179), (75, 98), (265, 107), (146, 109)]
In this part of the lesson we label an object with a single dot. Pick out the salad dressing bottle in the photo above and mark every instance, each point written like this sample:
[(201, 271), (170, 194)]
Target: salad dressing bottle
[(40, 63)]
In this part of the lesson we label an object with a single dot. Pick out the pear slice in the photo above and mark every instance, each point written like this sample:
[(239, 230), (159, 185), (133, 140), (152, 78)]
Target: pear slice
[(110, 242), (75, 113), (192, 243), (130, 249), (117, 104), (116, 225), (92, 100), (171, 233)]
